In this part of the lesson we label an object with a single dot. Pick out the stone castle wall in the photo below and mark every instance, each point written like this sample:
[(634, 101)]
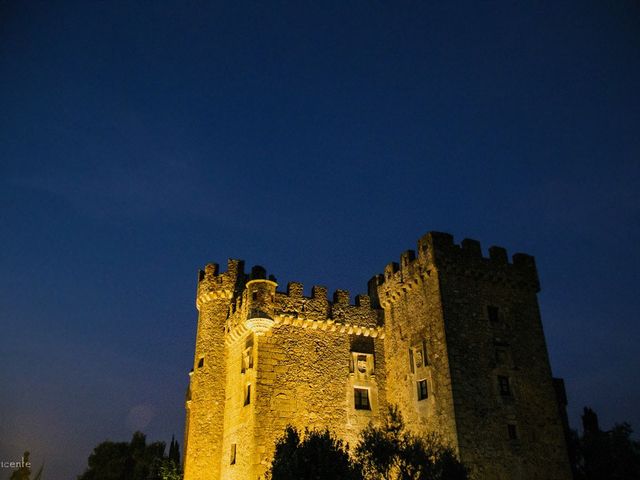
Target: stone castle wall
[(437, 335)]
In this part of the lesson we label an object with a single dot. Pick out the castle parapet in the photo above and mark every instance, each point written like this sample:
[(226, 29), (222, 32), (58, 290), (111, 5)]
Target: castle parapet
[(437, 251), (215, 285)]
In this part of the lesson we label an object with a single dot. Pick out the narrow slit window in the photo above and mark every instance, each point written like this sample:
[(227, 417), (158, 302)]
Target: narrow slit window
[(425, 357), (201, 362), (232, 457), (493, 313), (423, 392), (361, 399), (247, 395), (411, 364)]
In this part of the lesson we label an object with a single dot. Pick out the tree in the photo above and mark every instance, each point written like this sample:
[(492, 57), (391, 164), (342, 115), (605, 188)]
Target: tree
[(606, 455), (390, 452), (318, 456), (135, 460)]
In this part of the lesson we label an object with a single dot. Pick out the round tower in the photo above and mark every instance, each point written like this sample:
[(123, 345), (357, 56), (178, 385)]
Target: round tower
[(260, 295)]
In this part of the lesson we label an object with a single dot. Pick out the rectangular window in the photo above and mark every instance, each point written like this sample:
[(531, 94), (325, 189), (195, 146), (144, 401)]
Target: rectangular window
[(247, 395), (254, 296), (513, 433), (201, 362), (361, 398), (232, 459), (422, 390), (492, 312), (504, 386)]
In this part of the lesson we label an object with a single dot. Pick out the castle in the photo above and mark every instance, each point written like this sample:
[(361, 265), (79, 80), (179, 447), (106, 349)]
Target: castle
[(453, 338)]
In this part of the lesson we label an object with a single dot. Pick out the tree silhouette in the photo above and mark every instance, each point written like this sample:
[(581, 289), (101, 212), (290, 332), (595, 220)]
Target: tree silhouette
[(318, 456), (387, 452), (606, 455), (390, 452), (135, 460)]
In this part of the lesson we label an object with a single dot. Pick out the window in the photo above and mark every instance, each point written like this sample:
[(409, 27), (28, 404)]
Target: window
[(411, 360), (254, 296), (232, 458), (492, 312), (422, 390), (247, 395), (504, 386), (513, 433), (361, 397), (201, 362), (247, 355), (425, 353)]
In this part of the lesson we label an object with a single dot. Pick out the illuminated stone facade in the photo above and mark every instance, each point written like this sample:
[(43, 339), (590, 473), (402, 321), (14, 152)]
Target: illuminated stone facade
[(452, 338)]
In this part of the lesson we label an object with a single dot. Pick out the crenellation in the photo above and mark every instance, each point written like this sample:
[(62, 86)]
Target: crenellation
[(390, 269), (363, 301), (471, 248), (407, 257), (498, 255), (341, 297), (211, 269), (319, 292), (295, 289), (434, 335)]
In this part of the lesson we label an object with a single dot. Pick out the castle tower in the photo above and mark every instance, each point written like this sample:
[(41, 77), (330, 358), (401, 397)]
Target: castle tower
[(273, 359), (206, 397), (467, 357), (453, 338)]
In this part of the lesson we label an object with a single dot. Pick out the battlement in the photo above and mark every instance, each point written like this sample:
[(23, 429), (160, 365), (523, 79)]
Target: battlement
[(233, 284), (449, 332), (437, 251), (213, 284)]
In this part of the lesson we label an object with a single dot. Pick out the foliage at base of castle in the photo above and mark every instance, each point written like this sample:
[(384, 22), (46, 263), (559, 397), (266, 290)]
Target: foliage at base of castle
[(317, 456), (605, 455), (390, 452), (387, 452), (135, 460)]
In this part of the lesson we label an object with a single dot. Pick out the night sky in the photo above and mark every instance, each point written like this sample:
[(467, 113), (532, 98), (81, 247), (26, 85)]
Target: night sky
[(141, 140)]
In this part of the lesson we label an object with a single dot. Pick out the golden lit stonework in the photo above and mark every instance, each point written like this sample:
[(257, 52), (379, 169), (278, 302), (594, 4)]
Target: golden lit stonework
[(446, 334)]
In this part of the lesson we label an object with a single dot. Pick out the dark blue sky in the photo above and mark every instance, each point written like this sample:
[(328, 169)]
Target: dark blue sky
[(141, 140)]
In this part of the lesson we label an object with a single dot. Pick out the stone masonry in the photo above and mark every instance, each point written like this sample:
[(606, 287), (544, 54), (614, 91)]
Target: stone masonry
[(453, 338)]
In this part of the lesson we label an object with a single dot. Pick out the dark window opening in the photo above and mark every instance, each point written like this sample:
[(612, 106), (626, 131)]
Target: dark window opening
[(361, 398), (411, 365), (247, 396), (362, 344), (254, 296), (423, 393), (201, 362), (425, 358), (513, 433), (232, 460), (492, 312), (504, 386)]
